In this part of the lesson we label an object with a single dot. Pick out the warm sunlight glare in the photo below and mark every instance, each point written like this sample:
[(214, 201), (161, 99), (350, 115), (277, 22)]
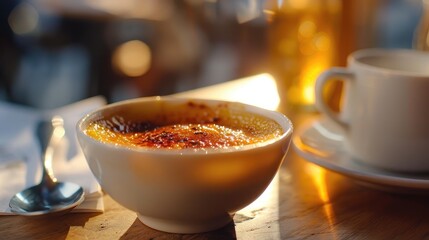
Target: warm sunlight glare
[(318, 176), (309, 75), (259, 90)]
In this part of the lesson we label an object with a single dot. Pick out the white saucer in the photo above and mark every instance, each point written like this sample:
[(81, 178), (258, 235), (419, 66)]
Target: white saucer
[(321, 142)]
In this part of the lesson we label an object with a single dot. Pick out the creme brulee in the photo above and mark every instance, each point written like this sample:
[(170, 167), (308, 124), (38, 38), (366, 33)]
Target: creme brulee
[(207, 129)]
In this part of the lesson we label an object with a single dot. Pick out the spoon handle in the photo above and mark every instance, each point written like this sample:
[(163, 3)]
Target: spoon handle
[(49, 134)]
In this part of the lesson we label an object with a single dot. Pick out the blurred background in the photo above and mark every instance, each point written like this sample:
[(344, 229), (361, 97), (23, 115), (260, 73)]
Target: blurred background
[(55, 52)]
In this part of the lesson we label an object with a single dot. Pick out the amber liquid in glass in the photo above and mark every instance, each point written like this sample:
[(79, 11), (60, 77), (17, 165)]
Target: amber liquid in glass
[(303, 39)]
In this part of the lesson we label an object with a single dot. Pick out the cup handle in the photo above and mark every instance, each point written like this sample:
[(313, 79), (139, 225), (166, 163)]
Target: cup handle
[(342, 74)]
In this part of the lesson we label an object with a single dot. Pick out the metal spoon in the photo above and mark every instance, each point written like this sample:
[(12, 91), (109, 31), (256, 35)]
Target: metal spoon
[(49, 196)]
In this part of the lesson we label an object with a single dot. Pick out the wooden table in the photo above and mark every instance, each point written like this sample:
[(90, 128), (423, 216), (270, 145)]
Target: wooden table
[(304, 201)]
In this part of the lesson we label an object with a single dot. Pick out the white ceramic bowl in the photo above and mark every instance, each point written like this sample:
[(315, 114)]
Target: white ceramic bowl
[(184, 191)]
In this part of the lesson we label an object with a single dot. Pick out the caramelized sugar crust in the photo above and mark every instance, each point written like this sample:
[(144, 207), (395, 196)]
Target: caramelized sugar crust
[(188, 126)]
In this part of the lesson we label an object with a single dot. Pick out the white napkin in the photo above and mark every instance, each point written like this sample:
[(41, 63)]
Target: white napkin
[(20, 162)]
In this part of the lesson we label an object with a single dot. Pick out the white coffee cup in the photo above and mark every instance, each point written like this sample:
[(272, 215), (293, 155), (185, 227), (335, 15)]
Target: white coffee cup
[(385, 113)]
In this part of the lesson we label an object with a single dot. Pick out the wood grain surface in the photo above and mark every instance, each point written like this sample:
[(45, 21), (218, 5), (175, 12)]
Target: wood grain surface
[(303, 202)]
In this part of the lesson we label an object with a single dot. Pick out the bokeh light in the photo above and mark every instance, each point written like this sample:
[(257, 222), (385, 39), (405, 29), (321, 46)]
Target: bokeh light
[(132, 58), (23, 19)]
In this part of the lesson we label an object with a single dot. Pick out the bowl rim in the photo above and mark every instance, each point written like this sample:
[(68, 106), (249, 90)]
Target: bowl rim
[(281, 119)]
